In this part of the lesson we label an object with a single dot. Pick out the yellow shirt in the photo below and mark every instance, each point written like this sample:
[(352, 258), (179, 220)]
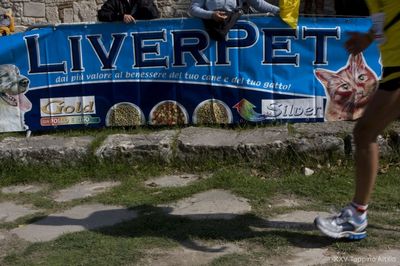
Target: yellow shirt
[(390, 49)]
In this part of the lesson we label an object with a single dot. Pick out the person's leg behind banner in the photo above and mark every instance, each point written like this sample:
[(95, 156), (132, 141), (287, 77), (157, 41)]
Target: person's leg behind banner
[(319, 6)]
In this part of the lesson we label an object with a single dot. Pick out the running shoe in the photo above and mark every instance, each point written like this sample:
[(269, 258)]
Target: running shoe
[(343, 225)]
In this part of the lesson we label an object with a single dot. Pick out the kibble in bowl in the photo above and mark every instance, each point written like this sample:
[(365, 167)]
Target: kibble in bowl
[(124, 114), (212, 111), (168, 113)]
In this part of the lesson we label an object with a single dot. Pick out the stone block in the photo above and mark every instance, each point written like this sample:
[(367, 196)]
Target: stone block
[(67, 15), (34, 9), (52, 15), (29, 21), (20, 29), (85, 11)]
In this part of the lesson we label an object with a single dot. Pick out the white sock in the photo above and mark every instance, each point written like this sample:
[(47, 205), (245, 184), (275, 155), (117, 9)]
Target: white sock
[(359, 211)]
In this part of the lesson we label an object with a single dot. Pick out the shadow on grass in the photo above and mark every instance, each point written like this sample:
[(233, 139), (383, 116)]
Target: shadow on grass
[(157, 222)]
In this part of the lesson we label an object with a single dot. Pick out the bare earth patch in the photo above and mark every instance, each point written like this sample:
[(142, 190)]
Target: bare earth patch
[(79, 218), (381, 257), (10, 243), (172, 180), (83, 190), (296, 220), (315, 256), (183, 256), (9, 211), (22, 189), (212, 204), (288, 201), (297, 256)]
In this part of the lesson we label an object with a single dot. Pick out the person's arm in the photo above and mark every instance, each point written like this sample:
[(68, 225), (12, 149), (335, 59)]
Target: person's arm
[(109, 12), (10, 21), (12, 24), (378, 20), (358, 42), (263, 6), (197, 10)]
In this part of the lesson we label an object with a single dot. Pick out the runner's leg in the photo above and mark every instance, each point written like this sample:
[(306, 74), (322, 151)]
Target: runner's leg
[(383, 108)]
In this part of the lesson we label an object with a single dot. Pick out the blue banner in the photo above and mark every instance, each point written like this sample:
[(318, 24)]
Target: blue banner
[(168, 72)]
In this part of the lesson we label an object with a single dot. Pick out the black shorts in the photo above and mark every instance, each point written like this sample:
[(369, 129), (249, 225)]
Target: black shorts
[(387, 83)]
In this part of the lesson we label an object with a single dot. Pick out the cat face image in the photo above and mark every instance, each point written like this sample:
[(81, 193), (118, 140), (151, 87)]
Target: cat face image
[(348, 89)]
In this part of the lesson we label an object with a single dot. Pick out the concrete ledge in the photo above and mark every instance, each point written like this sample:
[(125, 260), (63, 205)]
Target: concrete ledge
[(318, 145), (337, 129), (156, 145), (45, 148), (198, 143)]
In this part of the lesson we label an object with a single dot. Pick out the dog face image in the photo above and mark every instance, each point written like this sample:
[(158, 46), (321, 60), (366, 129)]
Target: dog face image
[(13, 102)]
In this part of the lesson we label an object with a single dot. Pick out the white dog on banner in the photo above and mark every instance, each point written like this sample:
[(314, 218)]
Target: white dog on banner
[(13, 102)]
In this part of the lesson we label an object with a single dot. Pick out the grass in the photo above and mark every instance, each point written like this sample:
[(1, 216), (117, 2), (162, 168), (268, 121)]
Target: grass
[(128, 243)]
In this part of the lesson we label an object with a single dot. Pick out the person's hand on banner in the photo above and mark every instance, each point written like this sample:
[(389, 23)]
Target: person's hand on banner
[(358, 42), (219, 16), (129, 19)]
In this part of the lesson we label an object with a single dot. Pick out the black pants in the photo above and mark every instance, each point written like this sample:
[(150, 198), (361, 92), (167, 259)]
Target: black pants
[(351, 8)]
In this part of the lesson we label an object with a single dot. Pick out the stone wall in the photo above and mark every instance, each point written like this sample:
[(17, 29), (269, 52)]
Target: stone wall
[(29, 12)]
